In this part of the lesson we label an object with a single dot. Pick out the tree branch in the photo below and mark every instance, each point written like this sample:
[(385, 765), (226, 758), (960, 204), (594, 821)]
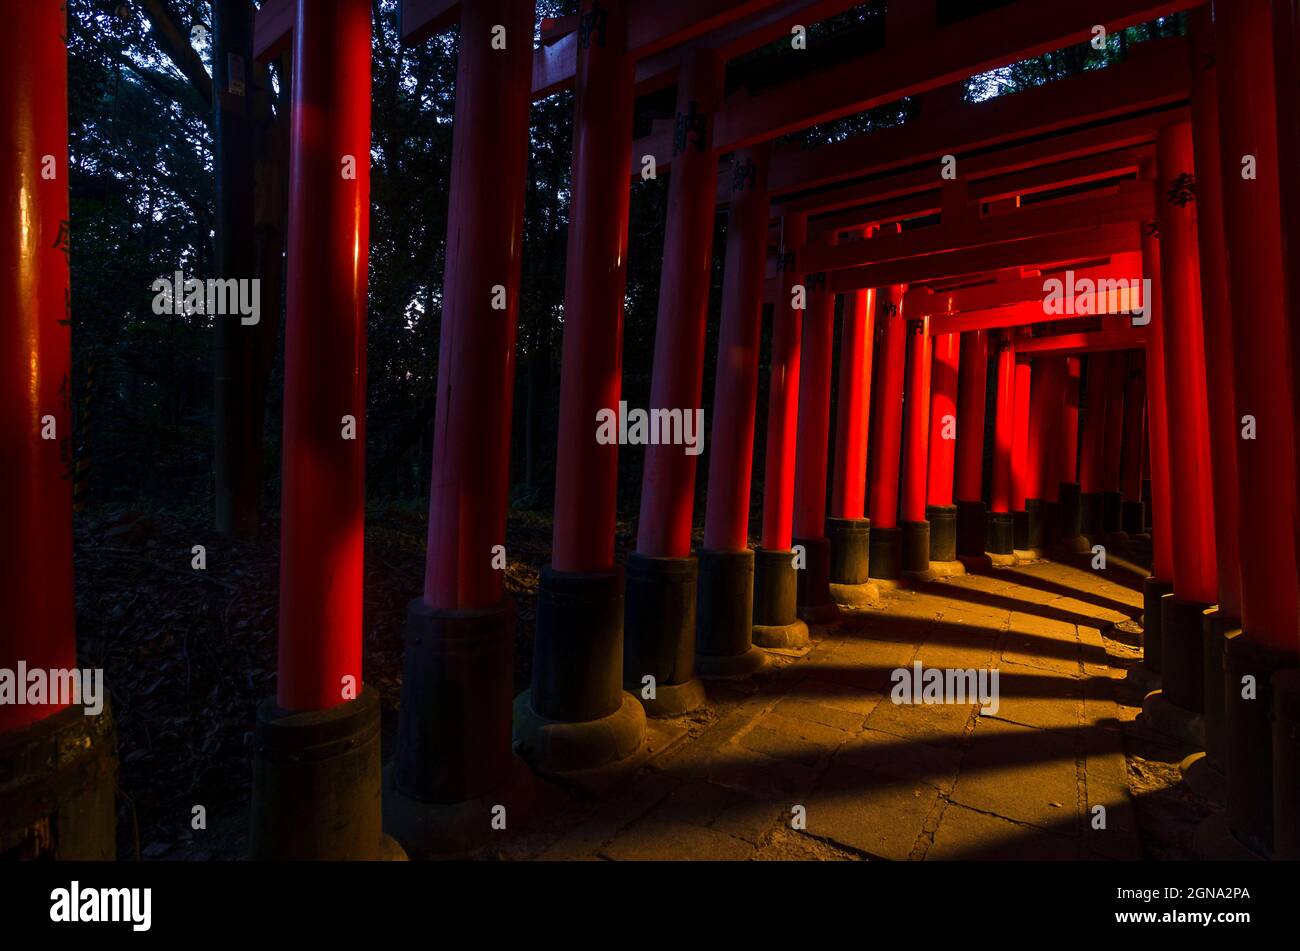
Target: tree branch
[(172, 41)]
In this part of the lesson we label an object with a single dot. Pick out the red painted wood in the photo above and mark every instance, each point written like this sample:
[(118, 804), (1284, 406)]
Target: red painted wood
[(1135, 427), (35, 353), (476, 355), (1069, 447), (586, 471), (735, 393), (1112, 442), (1020, 436), (813, 436), (944, 373), (853, 405), (1157, 412), (668, 487), (323, 499), (916, 404), (970, 420), (1052, 373), (887, 424), (1003, 426), (783, 394), (1191, 491), (1216, 311), (1266, 468)]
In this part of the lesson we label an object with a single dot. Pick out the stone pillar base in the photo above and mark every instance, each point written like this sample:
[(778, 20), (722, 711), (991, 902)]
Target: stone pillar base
[(1203, 777), (1173, 721), (1111, 518), (1090, 514), (1214, 628), (1132, 519), (886, 553), (58, 781), (850, 540), (1051, 519), (1001, 540), (724, 647), (915, 548), (776, 621), (813, 583), (1152, 618), (1286, 765), (559, 746), (971, 529), (1248, 758), (1183, 653), (1033, 524), (1071, 537), (317, 789), (943, 532), (659, 632), (575, 716), (1020, 530)]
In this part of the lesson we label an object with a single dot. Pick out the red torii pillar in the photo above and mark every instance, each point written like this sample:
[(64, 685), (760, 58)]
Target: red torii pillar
[(1020, 456), (1112, 443), (916, 403), (972, 386), (1190, 491), (1090, 456), (725, 610), (1070, 536), (307, 805), (662, 572), (1001, 526), (1046, 405), (1160, 582), (1286, 684), (1132, 510), (886, 540), (1266, 467), (576, 714), (1039, 379), (1216, 308), (812, 451), (775, 581), (77, 816), (454, 757), (939, 510), (847, 527)]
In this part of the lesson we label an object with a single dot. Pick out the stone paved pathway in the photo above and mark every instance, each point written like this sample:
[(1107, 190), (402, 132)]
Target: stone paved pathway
[(879, 780)]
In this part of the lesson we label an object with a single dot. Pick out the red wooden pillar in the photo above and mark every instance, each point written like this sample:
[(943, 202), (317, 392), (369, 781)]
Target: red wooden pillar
[(886, 540), (1160, 581), (1067, 454), (662, 573), (36, 446), (939, 510), (1286, 685), (1133, 518), (775, 581), (1001, 530), (1093, 449), (1020, 456), (1191, 493), (725, 608), (1040, 404), (578, 643), (1113, 441), (322, 509), (1266, 469), (454, 732), (848, 529), (1216, 310), (972, 386), (812, 451), (916, 464)]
